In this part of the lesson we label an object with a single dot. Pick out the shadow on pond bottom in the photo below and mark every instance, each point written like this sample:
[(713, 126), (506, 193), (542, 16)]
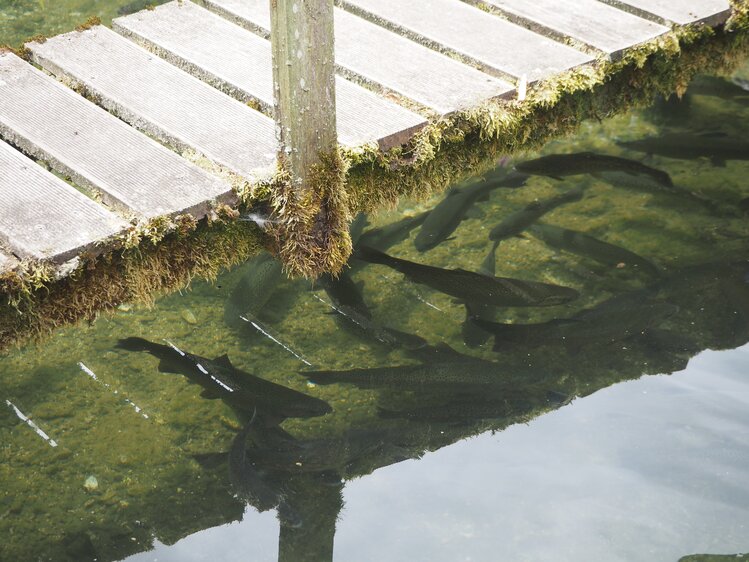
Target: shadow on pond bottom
[(452, 396)]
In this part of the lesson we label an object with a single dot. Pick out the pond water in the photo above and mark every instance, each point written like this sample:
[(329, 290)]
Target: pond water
[(591, 404)]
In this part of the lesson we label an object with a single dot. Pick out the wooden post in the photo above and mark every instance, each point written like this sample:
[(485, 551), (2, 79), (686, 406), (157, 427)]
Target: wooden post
[(304, 83)]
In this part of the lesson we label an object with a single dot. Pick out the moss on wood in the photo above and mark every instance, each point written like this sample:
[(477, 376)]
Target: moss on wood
[(311, 234)]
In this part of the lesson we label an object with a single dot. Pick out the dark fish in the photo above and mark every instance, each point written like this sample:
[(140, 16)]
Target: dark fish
[(385, 236), (587, 246), (560, 165), (718, 87), (474, 287), (517, 222), (357, 227), (466, 373), (261, 276), (243, 392), (344, 293), (718, 147), (646, 184), (613, 320), (448, 214)]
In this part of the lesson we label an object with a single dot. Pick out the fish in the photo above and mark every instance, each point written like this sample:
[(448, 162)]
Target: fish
[(613, 320), (646, 184), (742, 83), (716, 146), (718, 87), (261, 276), (384, 237), (587, 246), (344, 293), (560, 165), (241, 391), (468, 373), (448, 214), (357, 226), (515, 223), (474, 287)]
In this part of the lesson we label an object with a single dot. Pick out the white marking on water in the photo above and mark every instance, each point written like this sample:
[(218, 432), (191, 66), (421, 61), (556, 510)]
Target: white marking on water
[(175, 348), (267, 335), (91, 374), (201, 368), (32, 425)]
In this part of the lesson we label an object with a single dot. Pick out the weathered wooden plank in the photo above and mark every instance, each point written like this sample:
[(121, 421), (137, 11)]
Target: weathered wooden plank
[(385, 60), (485, 39), (682, 12), (42, 217), (304, 85), (7, 263), (239, 63), (589, 22), (161, 100), (125, 168)]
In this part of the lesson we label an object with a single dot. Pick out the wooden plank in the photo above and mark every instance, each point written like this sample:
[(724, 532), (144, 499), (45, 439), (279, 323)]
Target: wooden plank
[(125, 168), (161, 100), (386, 61), (681, 12), (489, 41), (239, 63), (304, 85), (42, 217), (589, 22)]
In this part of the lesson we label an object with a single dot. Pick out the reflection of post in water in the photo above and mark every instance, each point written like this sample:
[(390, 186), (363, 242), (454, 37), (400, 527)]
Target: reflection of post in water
[(317, 504)]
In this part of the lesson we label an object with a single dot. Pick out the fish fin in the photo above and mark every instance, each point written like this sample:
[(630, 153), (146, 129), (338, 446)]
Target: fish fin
[(166, 365), (521, 236), (211, 460), (717, 162), (223, 361), (209, 394), (136, 344), (558, 178)]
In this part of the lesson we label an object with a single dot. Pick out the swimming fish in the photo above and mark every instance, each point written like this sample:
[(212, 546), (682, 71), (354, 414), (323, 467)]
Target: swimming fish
[(383, 237), (716, 146), (242, 391), (515, 223), (587, 246), (261, 276), (560, 165), (474, 287), (615, 319), (448, 214)]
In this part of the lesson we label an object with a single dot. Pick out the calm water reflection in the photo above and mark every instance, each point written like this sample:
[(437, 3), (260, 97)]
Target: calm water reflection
[(471, 389)]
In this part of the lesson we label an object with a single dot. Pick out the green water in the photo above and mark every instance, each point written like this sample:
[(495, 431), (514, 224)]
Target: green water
[(576, 455)]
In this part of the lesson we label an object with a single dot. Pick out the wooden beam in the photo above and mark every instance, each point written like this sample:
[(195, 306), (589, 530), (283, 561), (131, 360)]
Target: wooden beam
[(303, 83)]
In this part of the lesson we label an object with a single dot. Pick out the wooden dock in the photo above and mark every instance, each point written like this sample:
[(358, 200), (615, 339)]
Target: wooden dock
[(161, 115)]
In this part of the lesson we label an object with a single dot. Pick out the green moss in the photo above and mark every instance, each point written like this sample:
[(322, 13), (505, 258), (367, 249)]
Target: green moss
[(312, 233)]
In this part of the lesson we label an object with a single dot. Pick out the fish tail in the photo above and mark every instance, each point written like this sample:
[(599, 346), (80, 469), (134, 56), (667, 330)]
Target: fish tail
[(326, 377)]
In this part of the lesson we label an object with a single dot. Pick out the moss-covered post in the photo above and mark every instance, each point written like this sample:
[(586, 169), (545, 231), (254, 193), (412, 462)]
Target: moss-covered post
[(311, 202), (304, 84)]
